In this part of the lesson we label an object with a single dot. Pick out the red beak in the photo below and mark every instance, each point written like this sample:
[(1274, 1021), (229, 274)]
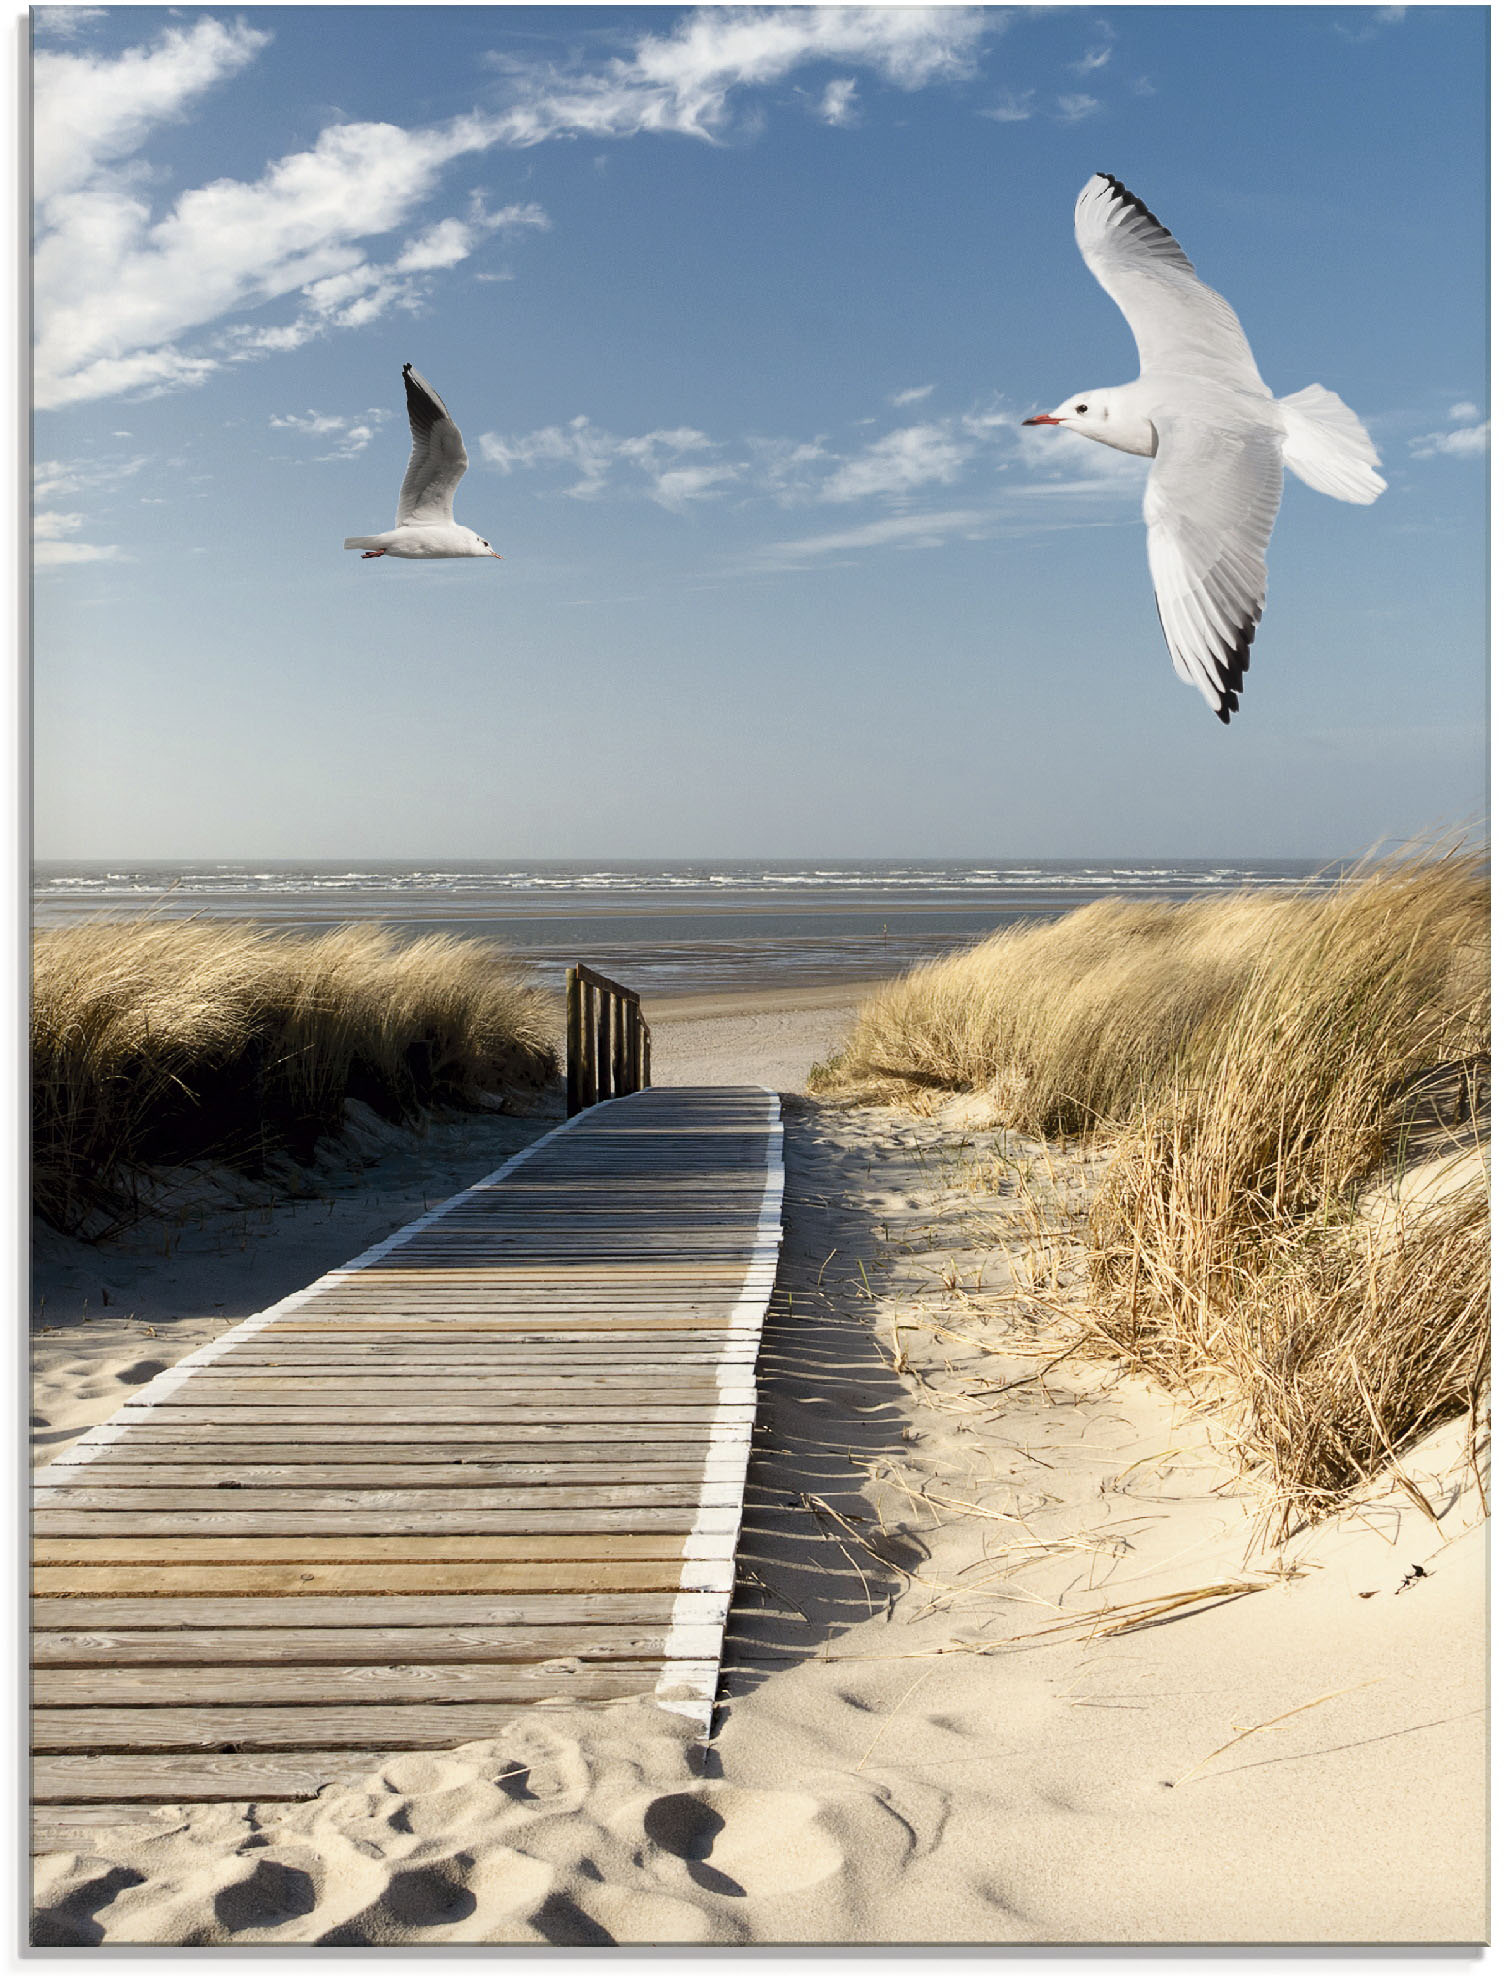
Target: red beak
[(1042, 418)]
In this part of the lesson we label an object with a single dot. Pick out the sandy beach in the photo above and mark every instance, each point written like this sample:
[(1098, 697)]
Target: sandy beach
[(1010, 1658)]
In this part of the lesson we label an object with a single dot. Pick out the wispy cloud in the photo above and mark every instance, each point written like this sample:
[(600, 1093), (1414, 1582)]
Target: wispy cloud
[(912, 396), (838, 104), (911, 457), (52, 546), (1014, 107), (686, 81), (130, 298), (898, 473), (1462, 442), (909, 531), (1370, 23), (1073, 108), (653, 462), (348, 435)]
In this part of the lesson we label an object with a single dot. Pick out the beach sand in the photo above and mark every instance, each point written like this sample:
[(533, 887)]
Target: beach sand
[(1008, 1662)]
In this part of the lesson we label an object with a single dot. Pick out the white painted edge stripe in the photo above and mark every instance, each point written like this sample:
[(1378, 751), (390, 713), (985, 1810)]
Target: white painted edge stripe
[(750, 1311)]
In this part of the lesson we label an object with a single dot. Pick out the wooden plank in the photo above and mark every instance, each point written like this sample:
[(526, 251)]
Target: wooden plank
[(581, 1609), (382, 1726), (245, 1499), (468, 1438), (512, 1484), (157, 1779), (600, 1546), (247, 1413), (224, 1691), (306, 1576), (352, 1646), (537, 1531)]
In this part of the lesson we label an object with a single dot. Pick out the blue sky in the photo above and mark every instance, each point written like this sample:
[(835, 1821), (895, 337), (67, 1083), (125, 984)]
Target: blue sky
[(739, 311)]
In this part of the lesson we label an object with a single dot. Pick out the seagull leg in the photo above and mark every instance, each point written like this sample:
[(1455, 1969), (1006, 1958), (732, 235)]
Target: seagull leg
[(369, 553)]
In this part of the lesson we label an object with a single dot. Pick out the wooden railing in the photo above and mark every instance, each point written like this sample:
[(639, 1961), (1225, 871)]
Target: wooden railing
[(609, 1049)]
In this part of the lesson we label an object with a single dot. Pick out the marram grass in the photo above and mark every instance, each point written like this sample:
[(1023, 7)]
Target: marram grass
[(156, 1043), (1258, 1063)]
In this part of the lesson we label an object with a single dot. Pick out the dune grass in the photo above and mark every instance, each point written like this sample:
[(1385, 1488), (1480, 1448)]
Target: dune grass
[(1258, 1062), (157, 1043)]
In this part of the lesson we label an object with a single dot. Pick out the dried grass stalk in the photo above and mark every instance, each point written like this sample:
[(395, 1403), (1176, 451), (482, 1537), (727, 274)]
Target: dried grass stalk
[(155, 1043), (1258, 1061)]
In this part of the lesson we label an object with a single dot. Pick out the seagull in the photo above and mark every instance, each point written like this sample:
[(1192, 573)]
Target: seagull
[(425, 508), (1219, 439)]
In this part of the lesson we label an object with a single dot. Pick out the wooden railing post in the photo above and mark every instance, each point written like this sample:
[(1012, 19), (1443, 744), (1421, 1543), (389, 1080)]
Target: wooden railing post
[(608, 1046), (574, 1024), (603, 1003)]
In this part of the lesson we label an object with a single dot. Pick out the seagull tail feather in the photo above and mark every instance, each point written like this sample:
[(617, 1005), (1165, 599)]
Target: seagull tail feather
[(362, 541), (1327, 445)]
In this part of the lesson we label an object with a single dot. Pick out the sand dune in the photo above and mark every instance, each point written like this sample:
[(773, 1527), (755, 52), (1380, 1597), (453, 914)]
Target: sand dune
[(1008, 1662)]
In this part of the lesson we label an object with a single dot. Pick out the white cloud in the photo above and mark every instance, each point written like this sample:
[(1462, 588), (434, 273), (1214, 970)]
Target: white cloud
[(1462, 442), (64, 23), (838, 104), (1093, 59), (91, 108), (1013, 108), (51, 548), (349, 435), (595, 455), (52, 479), (911, 457), (683, 81), (679, 465), (914, 531), (115, 289), (677, 485), (912, 396), (1466, 410), (1074, 108), (790, 470), (121, 287), (450, 241), (1370, 25)]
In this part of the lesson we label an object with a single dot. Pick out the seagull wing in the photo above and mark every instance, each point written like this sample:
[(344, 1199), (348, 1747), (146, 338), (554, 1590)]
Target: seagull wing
[(1178, 323), (1210, 503), (438, 460)]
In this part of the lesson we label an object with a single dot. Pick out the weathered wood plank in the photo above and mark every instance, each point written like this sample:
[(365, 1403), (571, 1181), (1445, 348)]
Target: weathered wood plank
[(225, 1690), (245, 1498), (400, 1531), (603, 1545), (512, 1482), (353, 1646), (581, 1609), (304, 1576), (147, 1779)]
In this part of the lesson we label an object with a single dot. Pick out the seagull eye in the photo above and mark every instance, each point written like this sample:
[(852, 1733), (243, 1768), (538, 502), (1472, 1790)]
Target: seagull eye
[(1080, 408)]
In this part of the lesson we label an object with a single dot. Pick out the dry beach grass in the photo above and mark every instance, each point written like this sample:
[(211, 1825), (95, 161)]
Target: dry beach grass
[(1264, 1070), (1007, 1662), (156, 1043)]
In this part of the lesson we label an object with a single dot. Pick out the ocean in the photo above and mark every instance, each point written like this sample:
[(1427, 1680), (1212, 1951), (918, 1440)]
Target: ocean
[(662, 927)]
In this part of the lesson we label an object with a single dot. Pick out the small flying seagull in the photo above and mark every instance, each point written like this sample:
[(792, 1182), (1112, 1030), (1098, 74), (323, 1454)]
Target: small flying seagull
[(1220, 440), (425, 508)]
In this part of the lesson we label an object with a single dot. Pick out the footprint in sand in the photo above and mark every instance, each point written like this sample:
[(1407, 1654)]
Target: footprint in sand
[(743, 1843), (139, 1373)]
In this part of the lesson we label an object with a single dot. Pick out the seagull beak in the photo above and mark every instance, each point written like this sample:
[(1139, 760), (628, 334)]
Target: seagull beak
[(1042, 418), (499, 558)]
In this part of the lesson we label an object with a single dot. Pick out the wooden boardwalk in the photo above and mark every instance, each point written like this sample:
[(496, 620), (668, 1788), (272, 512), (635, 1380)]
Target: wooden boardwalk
[(498, 1457)]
